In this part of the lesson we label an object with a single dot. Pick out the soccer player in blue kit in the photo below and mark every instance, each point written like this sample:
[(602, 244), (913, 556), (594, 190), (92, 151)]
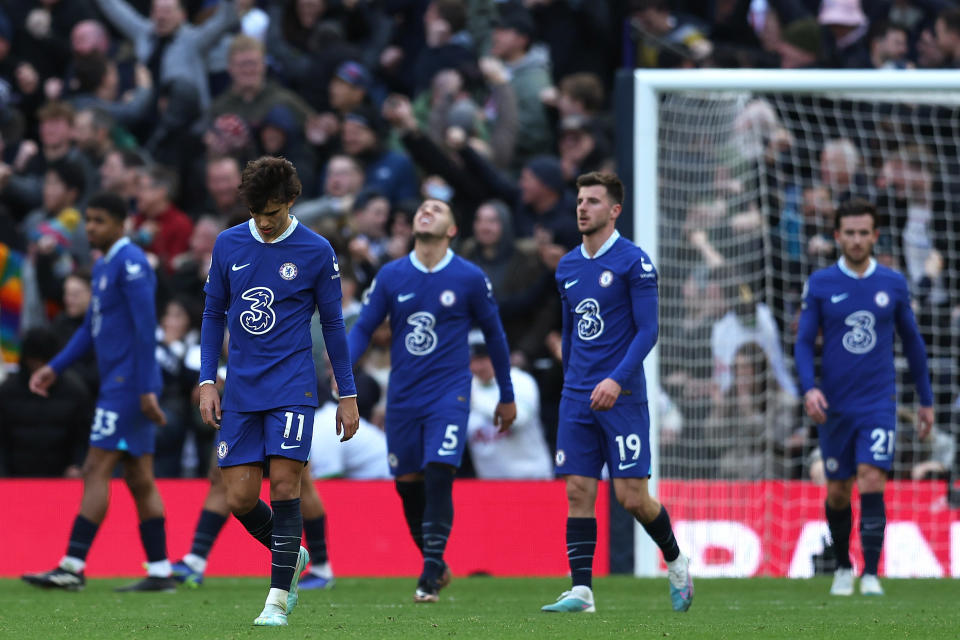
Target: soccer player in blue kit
[(433, 298), (608, 287), (119, 325), (858, 304), (266, 278)]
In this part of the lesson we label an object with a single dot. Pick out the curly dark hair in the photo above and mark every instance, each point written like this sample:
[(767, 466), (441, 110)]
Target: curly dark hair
[(268, 178)]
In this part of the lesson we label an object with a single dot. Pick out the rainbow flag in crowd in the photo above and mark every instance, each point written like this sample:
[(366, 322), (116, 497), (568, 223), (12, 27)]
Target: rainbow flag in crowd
[(11, 303)]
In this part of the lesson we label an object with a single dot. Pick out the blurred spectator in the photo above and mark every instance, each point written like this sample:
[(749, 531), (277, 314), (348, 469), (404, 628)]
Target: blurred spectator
[(120, 173), (746, 321), (448, 44), (889, 46), (655, 27), (846, 34), (43, 33), (343, 180), (56, 240), (529, 73), (363, 457), (279, 135), (391, 172), (561, 23), (229, 135), (43, 436), (88, 37), (159, 226), (24, 188), (223, 195), (91, 134), (519, 453), (349, 87), (250, 94), (171, 47), (77, 292), (190, 268), (947, 38), (177, 332), (98, 87), (582, 149), (801, 45), (754, 424), (366, 234), (175, 143)]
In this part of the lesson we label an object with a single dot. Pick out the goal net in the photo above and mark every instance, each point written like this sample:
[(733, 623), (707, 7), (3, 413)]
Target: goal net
[(745, 179)]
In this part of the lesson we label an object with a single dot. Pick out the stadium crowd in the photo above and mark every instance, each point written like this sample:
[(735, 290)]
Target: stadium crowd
[(495, 107)]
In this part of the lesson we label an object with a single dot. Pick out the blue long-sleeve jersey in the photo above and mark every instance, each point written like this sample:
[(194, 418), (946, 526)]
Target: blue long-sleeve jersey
[(858, 316), (269, 291), (120, 324), (609, 318), (431, 313)]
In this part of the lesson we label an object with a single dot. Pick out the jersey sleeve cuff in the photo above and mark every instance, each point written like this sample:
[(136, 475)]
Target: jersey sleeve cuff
[(203, 382)]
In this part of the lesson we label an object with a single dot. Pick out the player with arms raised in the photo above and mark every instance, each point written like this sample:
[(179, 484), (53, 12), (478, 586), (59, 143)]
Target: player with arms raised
[(433, 298), (858, 304), (119, 325), (609, 291), (268, 275)]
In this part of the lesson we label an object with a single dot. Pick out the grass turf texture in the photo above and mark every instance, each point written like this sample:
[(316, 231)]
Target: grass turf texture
[(223, 609)]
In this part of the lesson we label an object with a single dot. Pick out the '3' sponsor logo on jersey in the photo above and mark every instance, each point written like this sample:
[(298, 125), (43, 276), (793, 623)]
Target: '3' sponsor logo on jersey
[(260, 317)]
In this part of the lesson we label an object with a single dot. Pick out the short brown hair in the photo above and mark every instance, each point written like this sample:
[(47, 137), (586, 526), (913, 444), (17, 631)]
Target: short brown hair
[(609, 181), (585, 88), (268, 178), (242, 43), (56, 110)]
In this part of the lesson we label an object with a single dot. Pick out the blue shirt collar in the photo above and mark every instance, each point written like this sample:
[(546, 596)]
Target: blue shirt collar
[(283, 236), (119, 244), (603, 248), (842, 265), (440, 265)]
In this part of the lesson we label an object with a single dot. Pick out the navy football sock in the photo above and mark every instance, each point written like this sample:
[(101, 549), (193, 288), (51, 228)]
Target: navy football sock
[(153, 535), (437, 520), (581, 543), (840, 522), (661, 531), (316, 534), (873, 521), (287, 530), (208, 528), (259, 522), (413, 496), (81, 537)]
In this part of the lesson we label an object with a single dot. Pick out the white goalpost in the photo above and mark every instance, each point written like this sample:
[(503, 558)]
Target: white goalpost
[(735, 178)]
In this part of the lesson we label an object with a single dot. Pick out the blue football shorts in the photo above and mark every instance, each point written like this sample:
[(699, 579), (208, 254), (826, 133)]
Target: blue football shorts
[(418, 437), (850, 439), (619, 437), (119, 425), (252, 436)]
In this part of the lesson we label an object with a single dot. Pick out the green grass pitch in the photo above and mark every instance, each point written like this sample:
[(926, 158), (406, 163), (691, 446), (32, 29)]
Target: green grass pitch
[(374, 608)]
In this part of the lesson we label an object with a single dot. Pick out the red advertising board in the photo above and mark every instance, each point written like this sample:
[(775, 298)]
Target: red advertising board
[(500, 528)]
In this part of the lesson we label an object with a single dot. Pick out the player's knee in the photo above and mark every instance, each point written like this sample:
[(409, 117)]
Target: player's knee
[(640, 505), (581, 493), (870, 479), (240, 503), (139, 483)]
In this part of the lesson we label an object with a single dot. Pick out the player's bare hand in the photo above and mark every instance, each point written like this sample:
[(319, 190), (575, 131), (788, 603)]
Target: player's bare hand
[(210, 405), (815, 405), (504, 415), (924, 422), (348, 418), (604, 395), (151, 408), (42, 379)]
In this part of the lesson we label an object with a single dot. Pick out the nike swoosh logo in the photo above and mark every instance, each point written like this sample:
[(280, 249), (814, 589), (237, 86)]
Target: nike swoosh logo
[(403, 297), (283, 445), (840, 296), (445, 452), (280, 544), (236, 267), (567, 285), (624, 467)]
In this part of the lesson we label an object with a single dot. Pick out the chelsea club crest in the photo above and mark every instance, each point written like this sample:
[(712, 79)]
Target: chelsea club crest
[(606, 278), (288, 271), (882, 299)]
